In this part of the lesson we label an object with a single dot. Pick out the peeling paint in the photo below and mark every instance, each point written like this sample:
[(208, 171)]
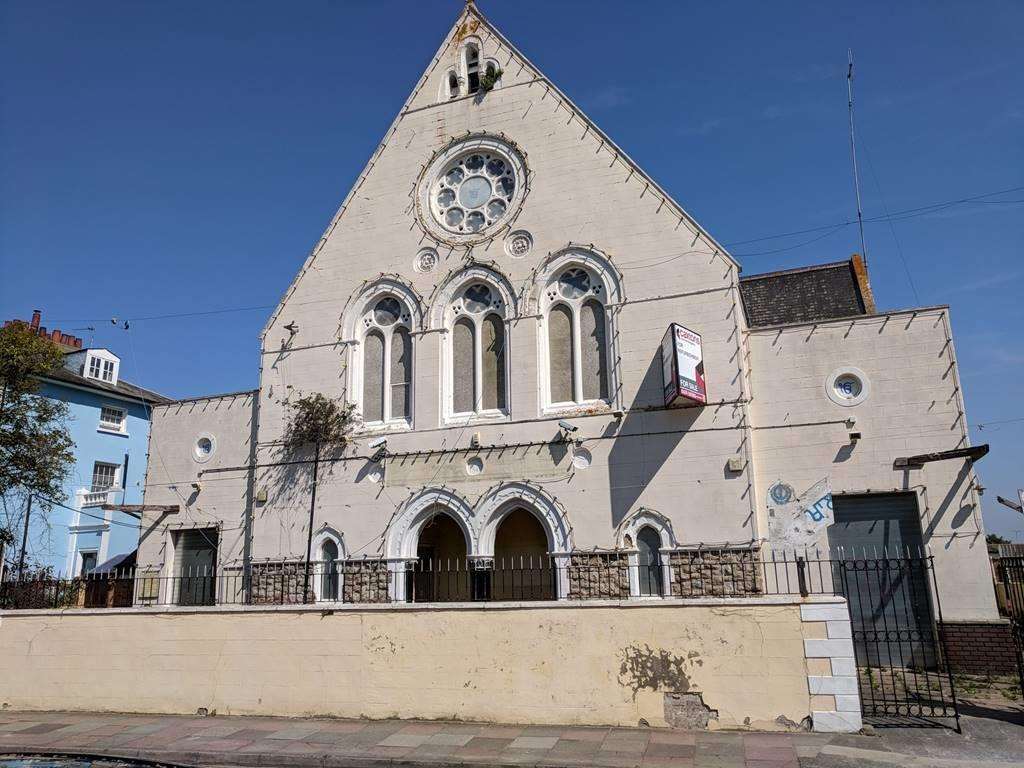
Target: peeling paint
[(656, 670)]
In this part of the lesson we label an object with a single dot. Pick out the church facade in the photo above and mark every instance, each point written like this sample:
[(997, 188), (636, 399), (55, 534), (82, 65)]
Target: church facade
[(551, 361)]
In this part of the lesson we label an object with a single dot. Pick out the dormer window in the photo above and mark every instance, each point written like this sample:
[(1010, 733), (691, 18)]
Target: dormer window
[(473, 68), (101, 365)]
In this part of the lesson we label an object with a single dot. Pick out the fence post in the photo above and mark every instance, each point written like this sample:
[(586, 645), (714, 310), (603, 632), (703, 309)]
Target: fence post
[(801, 576)]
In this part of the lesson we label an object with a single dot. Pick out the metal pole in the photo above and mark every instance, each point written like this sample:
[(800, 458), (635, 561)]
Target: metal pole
[(853, 154), (309, 538), (24, 540)]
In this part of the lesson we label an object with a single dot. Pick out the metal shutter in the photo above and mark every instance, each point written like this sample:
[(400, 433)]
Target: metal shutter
[(875, 525)]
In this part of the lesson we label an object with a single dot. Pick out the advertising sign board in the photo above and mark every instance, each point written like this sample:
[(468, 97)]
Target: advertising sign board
[(682, 361)]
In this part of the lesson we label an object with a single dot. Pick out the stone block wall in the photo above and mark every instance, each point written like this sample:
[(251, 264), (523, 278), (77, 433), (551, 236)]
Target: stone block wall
[(598, 576), (365, 581), (715, 573), (280, 583)]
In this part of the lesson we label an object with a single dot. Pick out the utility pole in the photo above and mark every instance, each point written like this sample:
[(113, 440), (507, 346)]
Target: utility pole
[(309, 537), (853, 155), (24, 540)]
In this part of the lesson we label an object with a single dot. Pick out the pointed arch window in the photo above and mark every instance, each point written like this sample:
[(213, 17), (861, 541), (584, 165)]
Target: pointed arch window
[(453, 84), (387, 362), (330, 581), (577, 339), (478, 357)]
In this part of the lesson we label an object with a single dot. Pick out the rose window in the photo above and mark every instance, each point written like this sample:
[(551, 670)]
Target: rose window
[(474, 191)]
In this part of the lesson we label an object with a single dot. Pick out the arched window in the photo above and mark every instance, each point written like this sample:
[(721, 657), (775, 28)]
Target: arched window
[(387, 362), (478, 357), (648, 544), (577, 338), (472, 54), (329, 583), (453, 84)]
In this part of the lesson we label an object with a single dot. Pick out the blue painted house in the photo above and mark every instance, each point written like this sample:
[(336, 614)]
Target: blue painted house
[(109, 424)]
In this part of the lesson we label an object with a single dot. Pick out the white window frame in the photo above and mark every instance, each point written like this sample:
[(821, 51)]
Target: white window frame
[(115, 480), (601, 274), (446, 311), (101, 365), (122, 429), (326, 534)]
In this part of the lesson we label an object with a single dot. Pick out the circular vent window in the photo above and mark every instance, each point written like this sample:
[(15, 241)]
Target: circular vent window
[(204, 447), (847, 386)]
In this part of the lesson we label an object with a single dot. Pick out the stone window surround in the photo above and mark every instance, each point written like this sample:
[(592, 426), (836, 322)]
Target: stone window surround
[(443, 317), (355, 331), (601, 273), (325, 534)]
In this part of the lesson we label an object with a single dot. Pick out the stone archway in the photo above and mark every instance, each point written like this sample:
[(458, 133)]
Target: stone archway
[(442, 571), (522, 568)]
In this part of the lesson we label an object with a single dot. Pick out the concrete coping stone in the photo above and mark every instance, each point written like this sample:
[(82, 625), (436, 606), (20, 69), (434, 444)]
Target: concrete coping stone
[(511, 605)]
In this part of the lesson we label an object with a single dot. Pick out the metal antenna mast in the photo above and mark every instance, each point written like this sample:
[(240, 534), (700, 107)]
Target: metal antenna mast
[(853, 155)]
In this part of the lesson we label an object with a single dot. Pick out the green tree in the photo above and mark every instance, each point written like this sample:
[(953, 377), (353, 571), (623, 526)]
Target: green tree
[(319, 421), (35, 447), (994, 539)]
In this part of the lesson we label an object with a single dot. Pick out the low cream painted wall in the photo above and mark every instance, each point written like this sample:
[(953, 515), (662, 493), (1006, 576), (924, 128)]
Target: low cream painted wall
[(577, 665)]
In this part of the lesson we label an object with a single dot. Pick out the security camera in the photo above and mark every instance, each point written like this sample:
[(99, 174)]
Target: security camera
[(567, 426), (380, 442)]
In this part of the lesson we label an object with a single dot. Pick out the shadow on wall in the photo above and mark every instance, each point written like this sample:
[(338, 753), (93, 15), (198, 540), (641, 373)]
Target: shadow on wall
[(634, 461)]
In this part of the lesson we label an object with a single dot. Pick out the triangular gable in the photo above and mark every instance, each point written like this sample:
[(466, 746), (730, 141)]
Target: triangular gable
[(519, 69)]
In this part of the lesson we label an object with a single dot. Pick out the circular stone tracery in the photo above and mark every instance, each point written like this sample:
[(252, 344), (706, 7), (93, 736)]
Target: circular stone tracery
[(470, 188), (473, 192)]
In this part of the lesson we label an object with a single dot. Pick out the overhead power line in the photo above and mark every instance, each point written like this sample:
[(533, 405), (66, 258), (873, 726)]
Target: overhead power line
[(828, 229)]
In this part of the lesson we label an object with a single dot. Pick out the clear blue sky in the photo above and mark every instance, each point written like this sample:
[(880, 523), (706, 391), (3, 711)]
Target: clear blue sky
[(158, 158)]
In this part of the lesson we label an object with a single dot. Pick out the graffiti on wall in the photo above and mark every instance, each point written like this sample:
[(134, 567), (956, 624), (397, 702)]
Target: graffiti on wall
[(798, 521)]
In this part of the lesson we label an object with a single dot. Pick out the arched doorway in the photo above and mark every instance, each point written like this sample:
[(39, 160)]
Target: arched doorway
[(522, 566), (648, 544), (441, 571)]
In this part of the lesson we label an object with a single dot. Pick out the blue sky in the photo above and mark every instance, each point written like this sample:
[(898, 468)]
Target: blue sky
[(163, 158)]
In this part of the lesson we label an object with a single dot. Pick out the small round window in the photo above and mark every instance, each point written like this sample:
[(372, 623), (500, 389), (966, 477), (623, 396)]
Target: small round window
[(847, 386), (204, 447)]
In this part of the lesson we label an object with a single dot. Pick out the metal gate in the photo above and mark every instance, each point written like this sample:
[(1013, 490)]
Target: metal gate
[(1010, 575), (894, 611)]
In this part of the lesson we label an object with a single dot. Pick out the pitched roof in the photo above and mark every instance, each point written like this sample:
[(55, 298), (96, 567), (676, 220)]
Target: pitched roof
[(471, 11), (807, 294), (122, 388)]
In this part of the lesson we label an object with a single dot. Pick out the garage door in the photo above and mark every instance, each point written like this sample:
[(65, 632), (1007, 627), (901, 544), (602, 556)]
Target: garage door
[(884, 575), (875, 525)]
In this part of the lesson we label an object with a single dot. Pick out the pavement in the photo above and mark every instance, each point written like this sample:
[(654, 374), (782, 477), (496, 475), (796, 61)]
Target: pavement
[(329, 743)]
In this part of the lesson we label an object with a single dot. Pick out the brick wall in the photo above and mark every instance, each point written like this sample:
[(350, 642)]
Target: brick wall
[(980, 647)]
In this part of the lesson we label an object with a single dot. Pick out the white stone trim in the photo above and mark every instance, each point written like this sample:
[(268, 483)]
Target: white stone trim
[(443, 316), (404, 533), (545, 296), (842, 684), (354, 330), (496, 503)]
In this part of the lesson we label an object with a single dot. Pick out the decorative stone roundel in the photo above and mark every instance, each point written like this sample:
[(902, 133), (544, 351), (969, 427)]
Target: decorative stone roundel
[(472, 188), (519, 244), (426, 260)]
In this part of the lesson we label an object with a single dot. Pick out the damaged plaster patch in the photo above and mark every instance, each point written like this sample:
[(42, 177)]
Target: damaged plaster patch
[(688, 711), (656, 670)]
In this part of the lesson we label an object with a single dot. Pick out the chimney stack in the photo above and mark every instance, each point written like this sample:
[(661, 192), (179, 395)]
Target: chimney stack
[(57, 336)]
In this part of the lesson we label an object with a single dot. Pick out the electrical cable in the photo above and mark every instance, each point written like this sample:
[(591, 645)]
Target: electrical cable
[(901, 215)]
